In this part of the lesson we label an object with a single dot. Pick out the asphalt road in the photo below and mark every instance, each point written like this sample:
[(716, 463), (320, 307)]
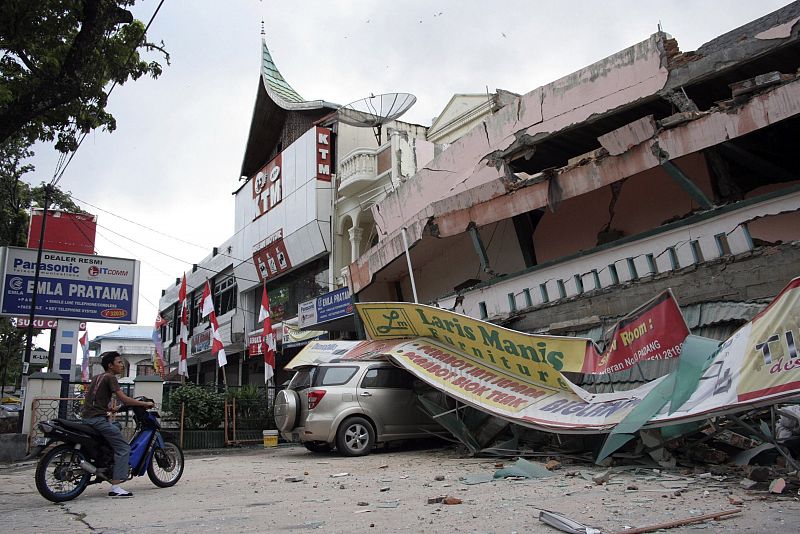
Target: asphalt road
[(289, 489)]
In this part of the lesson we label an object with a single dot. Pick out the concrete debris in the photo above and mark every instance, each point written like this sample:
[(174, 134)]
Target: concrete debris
[(736, 501), (362, 503), (438, 478), (388, 504), (777, 485), (746, 483), (385, 488), (451, 500), (552, 465), (602, 477), (294, 479), (477, 479), (435, 500), (338, 475)]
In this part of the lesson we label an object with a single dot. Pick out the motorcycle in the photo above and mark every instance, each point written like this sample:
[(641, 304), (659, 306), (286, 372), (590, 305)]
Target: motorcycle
[(81, 457)]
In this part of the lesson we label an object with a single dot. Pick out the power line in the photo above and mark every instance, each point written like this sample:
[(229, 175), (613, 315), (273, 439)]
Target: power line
[(136, 223)]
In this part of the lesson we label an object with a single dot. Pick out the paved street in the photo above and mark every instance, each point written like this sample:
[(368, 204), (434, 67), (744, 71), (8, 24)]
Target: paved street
[(247, 491)]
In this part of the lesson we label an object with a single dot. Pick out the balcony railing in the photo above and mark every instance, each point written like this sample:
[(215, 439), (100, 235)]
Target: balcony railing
[(359, 169)]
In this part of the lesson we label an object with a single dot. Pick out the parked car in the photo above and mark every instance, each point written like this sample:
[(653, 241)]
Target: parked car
[(352, 406)]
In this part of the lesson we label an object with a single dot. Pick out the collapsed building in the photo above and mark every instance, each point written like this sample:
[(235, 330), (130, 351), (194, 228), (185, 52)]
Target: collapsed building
[(650, 169)]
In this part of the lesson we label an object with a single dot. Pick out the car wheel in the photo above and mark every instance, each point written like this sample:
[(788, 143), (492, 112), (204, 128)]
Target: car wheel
[(317, 446), (355, 437), (287, 409)]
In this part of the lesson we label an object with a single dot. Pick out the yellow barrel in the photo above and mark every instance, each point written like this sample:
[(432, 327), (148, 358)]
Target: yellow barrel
[(270, 438)]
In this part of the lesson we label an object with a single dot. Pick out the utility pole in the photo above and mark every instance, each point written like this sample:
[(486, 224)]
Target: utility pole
[(31, 316), (29, 342)]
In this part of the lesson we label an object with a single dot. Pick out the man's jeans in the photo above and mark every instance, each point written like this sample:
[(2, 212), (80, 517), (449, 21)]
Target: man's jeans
[(113, 435)]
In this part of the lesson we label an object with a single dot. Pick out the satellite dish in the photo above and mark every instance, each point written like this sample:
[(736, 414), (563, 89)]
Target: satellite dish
[(375, 111)]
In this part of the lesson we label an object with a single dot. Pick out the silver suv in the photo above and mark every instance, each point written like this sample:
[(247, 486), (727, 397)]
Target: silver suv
[(352, 406)]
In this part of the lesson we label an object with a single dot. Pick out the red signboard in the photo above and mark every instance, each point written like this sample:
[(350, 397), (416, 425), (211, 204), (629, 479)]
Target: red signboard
[(323, 154), (268, 186), (65, 232), (272, 258), (655, 331)]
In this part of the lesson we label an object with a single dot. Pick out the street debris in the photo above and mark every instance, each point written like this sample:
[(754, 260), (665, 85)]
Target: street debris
[(777, 485), (565, 524), (339, 475), (523, 468), (680, 522), (294, 479)]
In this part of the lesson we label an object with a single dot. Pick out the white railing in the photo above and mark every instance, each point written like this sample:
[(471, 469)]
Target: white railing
[(670, 250), (357, 169)]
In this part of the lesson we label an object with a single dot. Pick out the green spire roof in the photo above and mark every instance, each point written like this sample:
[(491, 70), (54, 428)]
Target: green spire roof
[(274, 80)]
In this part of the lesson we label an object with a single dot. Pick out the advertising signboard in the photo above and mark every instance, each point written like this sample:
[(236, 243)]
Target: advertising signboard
[(272, 258), (71, 286), (68, 232), (328, 307)]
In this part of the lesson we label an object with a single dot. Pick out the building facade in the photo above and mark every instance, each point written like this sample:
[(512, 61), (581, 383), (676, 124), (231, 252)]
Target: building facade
[(302, 215), (586, 197)]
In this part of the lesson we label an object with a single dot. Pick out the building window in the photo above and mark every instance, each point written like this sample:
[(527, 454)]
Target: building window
[(168, 329), (225, 295), (196, 310), (145, 368)]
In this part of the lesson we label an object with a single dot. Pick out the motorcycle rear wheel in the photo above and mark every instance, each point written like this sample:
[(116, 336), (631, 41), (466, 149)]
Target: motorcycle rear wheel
[(166, 466), (59, 477)]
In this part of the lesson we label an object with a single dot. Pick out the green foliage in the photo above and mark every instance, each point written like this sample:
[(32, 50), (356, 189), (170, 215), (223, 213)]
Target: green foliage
[(202, 408), (16, 195), (245, 393), (58, 60), (12, 344)]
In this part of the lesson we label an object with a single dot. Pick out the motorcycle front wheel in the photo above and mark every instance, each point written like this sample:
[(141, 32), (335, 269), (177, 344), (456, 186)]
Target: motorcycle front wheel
[(166, 466), (59, 476)]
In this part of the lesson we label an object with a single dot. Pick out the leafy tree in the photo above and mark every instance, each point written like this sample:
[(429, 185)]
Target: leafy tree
[(57, 61)]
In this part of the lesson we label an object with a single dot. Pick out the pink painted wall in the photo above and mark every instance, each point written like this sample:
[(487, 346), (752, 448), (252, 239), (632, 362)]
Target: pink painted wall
[(646, 201), (631, 74), (784, 227)]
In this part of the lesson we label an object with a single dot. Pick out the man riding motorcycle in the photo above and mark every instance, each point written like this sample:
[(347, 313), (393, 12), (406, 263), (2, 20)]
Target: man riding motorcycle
[(95, 414)]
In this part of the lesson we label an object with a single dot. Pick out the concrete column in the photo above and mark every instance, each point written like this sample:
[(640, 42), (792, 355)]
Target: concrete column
[(355, 242), (151, 387), (40, 386), (66, 352)]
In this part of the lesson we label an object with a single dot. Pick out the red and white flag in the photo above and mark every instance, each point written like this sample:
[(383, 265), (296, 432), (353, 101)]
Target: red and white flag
[(268, 342), (184, 337), (207, 307)]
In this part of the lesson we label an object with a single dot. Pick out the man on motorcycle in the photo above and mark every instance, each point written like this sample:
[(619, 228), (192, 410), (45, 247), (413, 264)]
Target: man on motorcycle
[(95, 414)]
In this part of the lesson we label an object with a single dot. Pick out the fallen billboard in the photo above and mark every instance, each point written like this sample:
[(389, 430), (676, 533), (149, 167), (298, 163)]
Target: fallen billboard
[(518, 376)]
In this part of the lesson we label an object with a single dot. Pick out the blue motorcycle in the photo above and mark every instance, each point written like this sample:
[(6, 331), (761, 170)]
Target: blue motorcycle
[(81, 457)]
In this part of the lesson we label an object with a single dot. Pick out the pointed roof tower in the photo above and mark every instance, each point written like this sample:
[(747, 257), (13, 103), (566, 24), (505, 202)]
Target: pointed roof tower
[(276, 100)]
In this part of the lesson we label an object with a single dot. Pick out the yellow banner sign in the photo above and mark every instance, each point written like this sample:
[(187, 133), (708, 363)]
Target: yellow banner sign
[(533, 358)]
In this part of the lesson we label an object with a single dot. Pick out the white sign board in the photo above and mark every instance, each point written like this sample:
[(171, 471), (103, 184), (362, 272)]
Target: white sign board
[(71, 286)]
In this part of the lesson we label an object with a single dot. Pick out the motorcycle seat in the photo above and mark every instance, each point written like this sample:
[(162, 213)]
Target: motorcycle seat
[(77, 426)]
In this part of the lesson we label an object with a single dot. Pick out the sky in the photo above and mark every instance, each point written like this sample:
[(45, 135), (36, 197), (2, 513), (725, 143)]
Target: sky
[(174, 159)]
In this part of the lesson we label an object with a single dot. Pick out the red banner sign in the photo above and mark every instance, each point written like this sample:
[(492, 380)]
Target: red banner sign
[(655, 331), (273, 258), (323, 154)]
